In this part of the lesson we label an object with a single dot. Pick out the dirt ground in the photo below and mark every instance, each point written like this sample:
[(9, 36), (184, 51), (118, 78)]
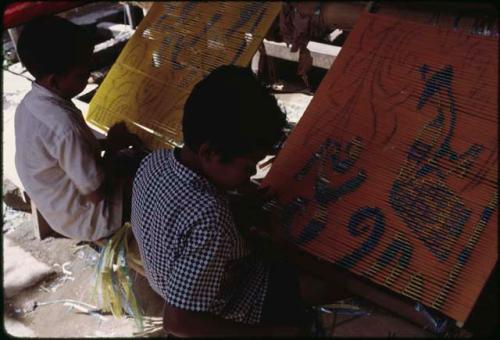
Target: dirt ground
[(58, 320)]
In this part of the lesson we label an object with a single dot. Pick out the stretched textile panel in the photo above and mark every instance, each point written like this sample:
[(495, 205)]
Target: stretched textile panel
[(175, 46), (391, 172)]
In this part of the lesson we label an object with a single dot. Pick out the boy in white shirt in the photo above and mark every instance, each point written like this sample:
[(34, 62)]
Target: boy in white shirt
[(58, 158)]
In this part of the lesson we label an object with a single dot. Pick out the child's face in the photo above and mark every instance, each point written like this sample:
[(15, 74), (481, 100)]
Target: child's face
[(233, 174), (73, 82)]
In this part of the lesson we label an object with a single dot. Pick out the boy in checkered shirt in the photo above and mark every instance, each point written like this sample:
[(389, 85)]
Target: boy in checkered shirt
[(212, 279)]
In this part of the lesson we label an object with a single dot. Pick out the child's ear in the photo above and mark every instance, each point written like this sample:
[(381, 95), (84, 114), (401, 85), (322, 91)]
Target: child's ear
[(53, 81), (206, 153)]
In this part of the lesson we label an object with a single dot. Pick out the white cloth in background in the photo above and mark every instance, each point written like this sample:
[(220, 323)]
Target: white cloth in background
[(56, 159)]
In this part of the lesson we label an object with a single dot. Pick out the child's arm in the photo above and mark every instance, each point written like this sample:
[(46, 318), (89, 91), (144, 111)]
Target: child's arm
[(197, 276), (185, 323), (119, 159), (118, 138), (247, 209), (78, 161), (96, 196)]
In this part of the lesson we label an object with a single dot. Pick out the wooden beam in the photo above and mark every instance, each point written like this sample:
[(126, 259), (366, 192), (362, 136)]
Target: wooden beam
[(323, 55), (41, 228), (344, 14)]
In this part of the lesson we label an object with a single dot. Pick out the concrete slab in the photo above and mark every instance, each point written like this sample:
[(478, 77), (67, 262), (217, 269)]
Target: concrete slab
[(15, 88), (17, 329), (293, 104), (16, 263), (323, 55)]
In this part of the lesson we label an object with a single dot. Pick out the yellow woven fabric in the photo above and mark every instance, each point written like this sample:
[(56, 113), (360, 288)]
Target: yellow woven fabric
[(175, 46)]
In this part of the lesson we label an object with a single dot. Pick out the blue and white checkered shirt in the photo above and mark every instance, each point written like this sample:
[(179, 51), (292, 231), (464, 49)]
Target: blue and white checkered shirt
[(193, 255)]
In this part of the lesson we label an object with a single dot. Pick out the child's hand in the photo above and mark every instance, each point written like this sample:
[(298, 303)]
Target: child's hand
[(247, 209), (119, 137)]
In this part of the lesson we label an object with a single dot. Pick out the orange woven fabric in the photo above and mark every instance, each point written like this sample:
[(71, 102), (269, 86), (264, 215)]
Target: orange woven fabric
[(391, 172)]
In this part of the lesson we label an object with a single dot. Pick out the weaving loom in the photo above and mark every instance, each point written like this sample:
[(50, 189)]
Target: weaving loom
[(175, 46), (391, 172)]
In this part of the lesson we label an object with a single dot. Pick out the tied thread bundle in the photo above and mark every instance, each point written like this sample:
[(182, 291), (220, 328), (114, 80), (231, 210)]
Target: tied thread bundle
[(113, 286)]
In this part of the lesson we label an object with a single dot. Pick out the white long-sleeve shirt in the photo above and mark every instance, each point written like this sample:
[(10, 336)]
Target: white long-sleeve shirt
[(56, 159)]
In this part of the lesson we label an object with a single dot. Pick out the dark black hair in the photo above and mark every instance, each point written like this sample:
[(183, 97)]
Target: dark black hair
[(53, 45), (233, 112)]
